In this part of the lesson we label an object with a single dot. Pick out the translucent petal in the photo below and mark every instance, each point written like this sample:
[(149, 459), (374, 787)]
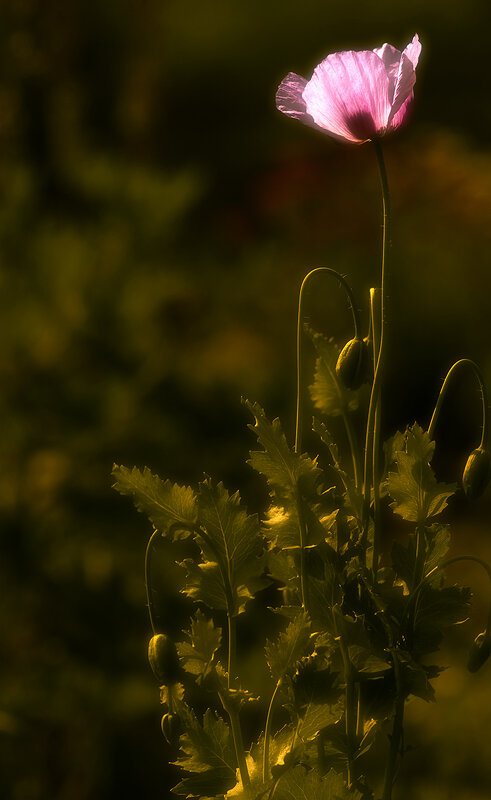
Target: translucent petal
[(413, 50), (401, 116), (406, 78), (347, 95), (289, 99)]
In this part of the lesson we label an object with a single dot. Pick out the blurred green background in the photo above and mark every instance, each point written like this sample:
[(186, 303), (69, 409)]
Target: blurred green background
[(157, 215)]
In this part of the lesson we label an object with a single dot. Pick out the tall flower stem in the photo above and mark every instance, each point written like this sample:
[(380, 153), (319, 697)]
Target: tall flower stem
[(467, 363), (375, 319), (372, 440)]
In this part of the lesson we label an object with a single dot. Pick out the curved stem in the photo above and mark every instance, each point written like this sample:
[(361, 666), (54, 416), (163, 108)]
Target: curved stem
[(267, 734), (373, 432), (300, 376), (467, 362), (147, 580)]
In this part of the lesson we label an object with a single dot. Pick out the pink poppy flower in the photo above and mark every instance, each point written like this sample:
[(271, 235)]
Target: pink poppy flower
[(354, 96)]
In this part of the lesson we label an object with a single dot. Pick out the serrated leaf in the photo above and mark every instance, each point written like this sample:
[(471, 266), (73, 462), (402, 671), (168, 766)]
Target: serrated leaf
[(436, 541), (232, 550), (167, 504), (328, 395), (279, 752), (198, 653), (172, 695), (284, 469), (208, 754), (437, 609), (416, 495), (298, 784), (353, 496), (366, 662), (290, 646), (318, 716), (281, 526)]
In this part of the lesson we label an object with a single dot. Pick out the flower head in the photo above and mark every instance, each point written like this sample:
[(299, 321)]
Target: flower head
[(354, 96)]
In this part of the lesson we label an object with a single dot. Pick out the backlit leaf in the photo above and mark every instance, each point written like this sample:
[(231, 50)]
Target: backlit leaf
[(416, 495), (165, 503), (328, 395)]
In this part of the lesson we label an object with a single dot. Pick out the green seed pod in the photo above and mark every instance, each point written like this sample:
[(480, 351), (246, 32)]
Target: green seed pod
[(476, 474), (163, 658), (171, 728), (479, 652), (353, 363)]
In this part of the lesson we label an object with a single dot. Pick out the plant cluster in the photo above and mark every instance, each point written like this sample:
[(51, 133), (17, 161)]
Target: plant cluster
[(357, 623)]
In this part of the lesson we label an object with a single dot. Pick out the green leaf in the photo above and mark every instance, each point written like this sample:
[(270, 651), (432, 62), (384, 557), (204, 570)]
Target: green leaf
[(416, 495), (208, 754), (366, 662), (437, 609), (281, 526), (284, 469), (166, 504), (328, 395), (290, 646), (298, 784), (353, 496), (232, 550), (436, 541), (204, 640), (318, 716)]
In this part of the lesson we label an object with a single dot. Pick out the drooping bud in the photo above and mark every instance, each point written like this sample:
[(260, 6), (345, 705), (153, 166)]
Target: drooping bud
[(477, 473), (353, 364), (171, 728), (163, 658), (479, 652)]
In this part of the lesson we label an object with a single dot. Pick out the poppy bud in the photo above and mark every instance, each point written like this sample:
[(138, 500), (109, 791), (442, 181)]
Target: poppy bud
[(171, 728), (476, 473), (353, 363), (163, 658), (479, 652)]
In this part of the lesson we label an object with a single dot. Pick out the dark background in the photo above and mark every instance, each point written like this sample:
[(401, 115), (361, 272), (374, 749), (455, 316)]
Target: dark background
[(157, 215)]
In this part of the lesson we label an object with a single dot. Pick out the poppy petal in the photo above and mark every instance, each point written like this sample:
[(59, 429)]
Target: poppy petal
[(348, 95), (289, 99)]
